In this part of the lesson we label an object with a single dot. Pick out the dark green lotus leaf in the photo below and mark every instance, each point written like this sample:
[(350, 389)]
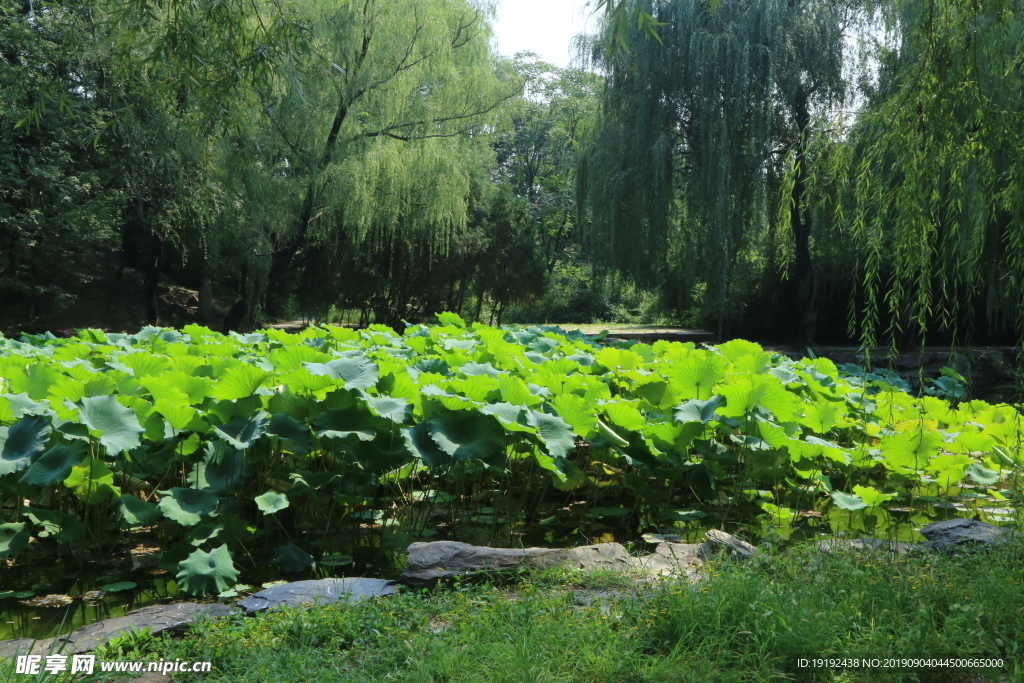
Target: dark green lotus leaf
[(138, 513), (188, 506), (222, 470), (465, 435), (292, 559), (241, 432), (696, 410), (13, 539), (554, 432), (420, 445), (286, 427), (22, 442), (271, 502), (118, 426), (385, 453), (212, 572), (341, 424), (119, 587), (312, 480), (54, 465), (201, 533), (64, 527), (358, 372), (432, 364)]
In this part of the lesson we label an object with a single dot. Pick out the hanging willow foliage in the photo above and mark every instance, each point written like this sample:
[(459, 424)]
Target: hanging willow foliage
[(684, 173), (937, 176)]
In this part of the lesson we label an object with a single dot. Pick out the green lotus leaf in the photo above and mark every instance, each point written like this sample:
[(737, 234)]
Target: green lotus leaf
[(34, 380), (21, 443), (696, 377), (765, 391), (577, 411), (212, 572), (271, 502), (512, 418), (872, 497), (240, 382), (145, 364), (820, 417), (418, 442), (92, 481), (188, 506), (554, 432), (64, 527), (13, 538), (397, 410), (624, 415), (452, 319), (383, 454), (612, 358), (358, 372), (341, 424), (118, 426), (466, 436), (54, 465), (696, 410), (845, 501), (910, 451), (286, 427), (178, 413), (119, 587), (293, 559), (136, 512), (241, 432), (473, 369), (514, 390), (609, 435)]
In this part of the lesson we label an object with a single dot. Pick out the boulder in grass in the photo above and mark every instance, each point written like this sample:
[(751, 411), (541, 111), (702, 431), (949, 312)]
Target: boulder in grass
[(829, 545), (953, 533), (323, 591), (430, 562)]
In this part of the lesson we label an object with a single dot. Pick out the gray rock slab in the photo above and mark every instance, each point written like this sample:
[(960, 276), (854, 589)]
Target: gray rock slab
[(323, 591), (430, 562), (829, 545), (680, 560), (23, 646), (719, 540), (604, 556), (959, 532), (157, 618)]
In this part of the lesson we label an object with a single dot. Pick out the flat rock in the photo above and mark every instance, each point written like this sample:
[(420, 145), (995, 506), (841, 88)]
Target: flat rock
[(157, 618), (430, 562), (604, 556), (323, 591), (719, 540), (952, 533), (829, 545), (23, 646)]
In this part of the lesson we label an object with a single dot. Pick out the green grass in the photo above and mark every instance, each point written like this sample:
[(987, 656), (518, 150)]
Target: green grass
[(745, 623)]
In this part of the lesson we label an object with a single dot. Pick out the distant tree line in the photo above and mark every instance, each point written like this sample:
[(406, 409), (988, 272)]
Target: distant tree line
[(790, 170)]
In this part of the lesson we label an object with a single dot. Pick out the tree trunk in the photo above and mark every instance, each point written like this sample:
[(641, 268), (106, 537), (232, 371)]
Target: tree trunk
[(152, 280), (800, 223)]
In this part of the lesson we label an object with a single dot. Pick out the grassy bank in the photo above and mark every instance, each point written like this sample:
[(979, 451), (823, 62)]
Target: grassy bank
[(745, 623)]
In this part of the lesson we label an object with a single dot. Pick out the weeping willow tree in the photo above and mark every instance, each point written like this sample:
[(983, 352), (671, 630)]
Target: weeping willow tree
[(937, 173), (377, 135), (700, 130)]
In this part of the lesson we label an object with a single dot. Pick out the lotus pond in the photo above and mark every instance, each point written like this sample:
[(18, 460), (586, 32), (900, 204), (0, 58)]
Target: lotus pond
[(186, 461)]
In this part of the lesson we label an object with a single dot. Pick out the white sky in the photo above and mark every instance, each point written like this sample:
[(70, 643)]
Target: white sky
[(542, 26)]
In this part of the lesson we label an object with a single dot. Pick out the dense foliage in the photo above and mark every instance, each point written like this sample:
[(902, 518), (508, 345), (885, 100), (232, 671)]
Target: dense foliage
[(209, 441)]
